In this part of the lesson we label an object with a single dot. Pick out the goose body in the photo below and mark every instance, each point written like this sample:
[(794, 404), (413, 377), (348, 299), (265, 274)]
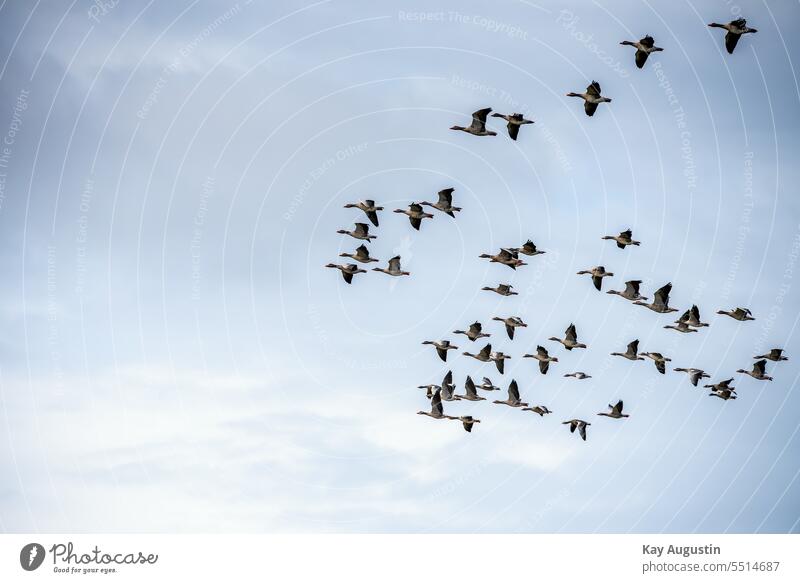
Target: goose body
[(441, 347), (471, 391), (623, 239), (511, 323), (597, 273), (724, 394), (361, 255), (631, 353), (348, 270), (540, 410), (514, 122), (631, 291), (680, 327), (445, 202), (361, 232), (570, 339), (415, 214), (369, 208), (578, 424), (741, 314), (543, 357), (734, 31), (695, 374), (775, 355), (691, 317), (503, 289), (474, 332), (591, 98), (615, 411), (393, 269), (478, 125), (759, 371), (513, 399), (528, 248), (578, 375), (721, 386), (660, 301), (485, 354), (644, 47), (659, 360), (506, 257), (487, 385)]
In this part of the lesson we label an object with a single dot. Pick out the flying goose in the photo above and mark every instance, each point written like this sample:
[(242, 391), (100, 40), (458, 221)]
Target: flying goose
[(591, 98), (513, 396), (448, 388), (540, 410), (631, 291), (487, 385), (471, 391), (348, 270), (361, 255), (570, 339), (360, 232), (578, 424), (578, 375), (644, 47), (429, 389), (503, 289), (515, 120), (500, 361), (741, 314), (529, 248), (485, 354), (631, 353), (759, 371), (475, 331), (415, 214), (597, 273), (393, 269), (681, 327), (723, 394), (736, 28), (441, 347), (368, 206), (659, 360), (445, 203), (721, 386), (695, 374), (691, 317), (478, 125), (511, 323), (543, 357), (615, 412), (506, 257), (775, 355), (468, 421), (660, 301), (437, 410), (623, 239)]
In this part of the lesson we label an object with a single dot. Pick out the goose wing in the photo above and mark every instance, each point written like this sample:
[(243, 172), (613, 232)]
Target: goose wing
[(362, 229), (415, 222), (347, 275), (598, 282), (593, 89), (544, 366), (436, 404), (661, 297), (633, 347), (582, 430), (446, 197), (759, 367), (513, 391), (504, 288), (362, 252), (661, 366), (571, 333), (589, 108), (373, 217), (731, 39), (513, 130), (479, 119), (632, 287), (394, 263), (510, 331), (442, 353), (475, 329), (529, 246), (485, 351), (647, 42), (617, 409), (469, 386)]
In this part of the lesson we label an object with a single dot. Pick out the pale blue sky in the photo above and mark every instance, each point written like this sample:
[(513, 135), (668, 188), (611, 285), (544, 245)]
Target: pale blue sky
[(174, 356)]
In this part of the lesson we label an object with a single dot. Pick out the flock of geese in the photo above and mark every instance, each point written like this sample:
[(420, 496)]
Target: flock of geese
[(689, 322)]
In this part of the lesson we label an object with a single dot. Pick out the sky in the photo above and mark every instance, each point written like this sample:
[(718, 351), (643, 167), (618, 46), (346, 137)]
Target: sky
[(175, 357)]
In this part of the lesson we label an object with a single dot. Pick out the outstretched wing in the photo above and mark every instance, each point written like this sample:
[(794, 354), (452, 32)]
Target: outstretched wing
[(486, 351), (593, 89), (582, 430), (469, 386), (479, 119), (513, 391), (589, 108), (442, 353), (415, 222), (436, 404), (731, 40), (598, 282), (513, 130), (571, 333), (661, 297), (632, 287), (510, 331), (633, 347), (544, 366), (394, 263), (362, 229), (446, 196), (759, 367)]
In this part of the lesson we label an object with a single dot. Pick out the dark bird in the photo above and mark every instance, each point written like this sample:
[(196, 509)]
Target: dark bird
[(503, 289), (723, 394), (487, 385), (695, 374), (631, 353), (543, 357), (529, 248), (478, 125), (644, 47), (506, 257), (441, 347), (570, 339), (623, 239), (475, 331), (775, 355), (485, 354), (597, 273), (361, 255), (615, 411), (540, 410), (659, 360), (691, 317), (578, 424), (513, 396), (759, 371), (415, 214), (660, 301), (591, 98), (348, 270), (578, 375), (500, 361), (369, 208), (445, 203), (360, 232), (515, 120), (471, 393), (511, 323), (721, 386), (631, 291), (681, 327), (393, 269), (741, 314), (735, 29)]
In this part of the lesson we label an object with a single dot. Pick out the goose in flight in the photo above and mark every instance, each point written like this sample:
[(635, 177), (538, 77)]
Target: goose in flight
[(437, 410), (500, 361), (448, 388), (468, 421), (695, 374), (631, 291), (623, 239), (659, 360), (360, 232), (511, 323), (393, 269), (591, 98), (735, 29), (529, 248), (471, 393), (361, 255), (759, 371), (721, 386), (644, 47), (775, 355), (543, 357), (478, 125), (515, 120), (513, 396), (570, 339), (485, 354), (660, 301), (578, 375), (741, 314), (487, 385), (445, 203), (615, 411), (503, 289), (475, 331), (631, 353), (691, 317), (723, 394), (415, 214), (578, 424), (597, 273), (681, 327), (348, 270), (506, 257), (369, 208), (540, 410), (441, 347)]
